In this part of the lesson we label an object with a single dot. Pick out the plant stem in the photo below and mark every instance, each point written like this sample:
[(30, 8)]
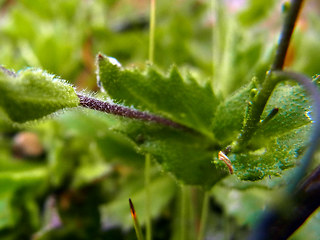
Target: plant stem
[(227, 55), (152, 29), (286, 34), (96, 104), (192, 209), (204, 215), (183, 213), (218, 34), (269, 84), (147, 175), (226, 226), (213, 44), (256, 111)]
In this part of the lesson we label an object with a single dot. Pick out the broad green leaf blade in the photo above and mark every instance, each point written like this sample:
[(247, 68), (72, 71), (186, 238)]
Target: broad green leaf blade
[(294, 111), (186, 155), (33, 94), (183, 101), (278, 143), (276, 155), (291, 100)]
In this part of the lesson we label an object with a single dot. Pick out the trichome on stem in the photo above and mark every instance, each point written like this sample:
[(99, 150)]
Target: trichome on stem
[(96, 104)]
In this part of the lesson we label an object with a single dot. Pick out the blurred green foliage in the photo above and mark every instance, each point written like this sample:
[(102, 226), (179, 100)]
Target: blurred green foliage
[(87, 164)]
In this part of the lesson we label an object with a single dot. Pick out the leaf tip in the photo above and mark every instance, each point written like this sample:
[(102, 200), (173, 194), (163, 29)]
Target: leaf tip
[(100, 57), (133, 212)]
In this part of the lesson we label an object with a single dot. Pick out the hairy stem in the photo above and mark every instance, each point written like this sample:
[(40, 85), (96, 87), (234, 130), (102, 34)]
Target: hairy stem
[(269, 84), (92, 103), (257, 108), (286, 34), (152, 29), (183, 213), (147, 176)]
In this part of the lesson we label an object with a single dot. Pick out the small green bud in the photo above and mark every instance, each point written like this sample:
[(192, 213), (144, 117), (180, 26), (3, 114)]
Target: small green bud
[(33, 94)]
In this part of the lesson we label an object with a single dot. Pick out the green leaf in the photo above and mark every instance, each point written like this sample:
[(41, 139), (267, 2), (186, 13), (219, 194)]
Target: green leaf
[(183, 101), (278, 143), (291, 100), (256, 11), (33, 94), (117, 211), (276, 155), (230, 115), (186, 155), (294, 111)]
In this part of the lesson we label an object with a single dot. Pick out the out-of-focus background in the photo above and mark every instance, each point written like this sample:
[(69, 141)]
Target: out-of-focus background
[(69, 176)]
